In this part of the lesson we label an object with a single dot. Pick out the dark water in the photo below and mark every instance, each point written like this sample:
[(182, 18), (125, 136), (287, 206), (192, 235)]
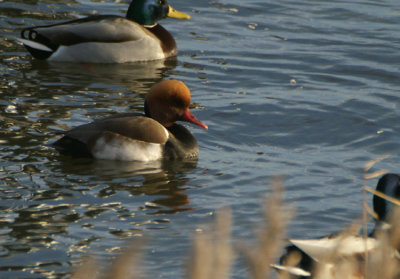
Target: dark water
[(304, 89)]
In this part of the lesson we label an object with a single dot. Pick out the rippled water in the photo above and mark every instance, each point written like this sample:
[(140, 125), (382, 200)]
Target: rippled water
[(304, 89)]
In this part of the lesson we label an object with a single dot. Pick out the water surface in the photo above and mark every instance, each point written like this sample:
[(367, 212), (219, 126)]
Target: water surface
[(303, 89)]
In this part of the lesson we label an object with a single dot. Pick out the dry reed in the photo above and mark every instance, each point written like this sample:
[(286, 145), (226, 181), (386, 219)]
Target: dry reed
[(214, 250), (125, 266), (212, 253)]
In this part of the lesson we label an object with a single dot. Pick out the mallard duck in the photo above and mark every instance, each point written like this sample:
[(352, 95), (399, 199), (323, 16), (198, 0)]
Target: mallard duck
[(310, 251), (107, 38), (138, 137)]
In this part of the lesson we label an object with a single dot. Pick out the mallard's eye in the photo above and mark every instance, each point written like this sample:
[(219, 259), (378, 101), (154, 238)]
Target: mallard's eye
[(161, 2)]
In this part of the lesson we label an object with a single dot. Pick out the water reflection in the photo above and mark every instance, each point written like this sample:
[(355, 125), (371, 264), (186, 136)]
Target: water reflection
[(166, 180), (92, 198), (132, 76)]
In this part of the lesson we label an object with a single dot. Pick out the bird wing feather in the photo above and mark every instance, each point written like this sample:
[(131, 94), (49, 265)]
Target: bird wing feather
[(137, 128), (106, 29)]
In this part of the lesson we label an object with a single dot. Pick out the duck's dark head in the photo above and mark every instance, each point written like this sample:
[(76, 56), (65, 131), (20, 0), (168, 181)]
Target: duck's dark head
[(148, 12), (168, 101), (389, 184)]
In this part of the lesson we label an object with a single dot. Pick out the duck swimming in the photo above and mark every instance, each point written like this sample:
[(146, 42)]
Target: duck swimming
[(311, 251), (138, 137), (107, 38)]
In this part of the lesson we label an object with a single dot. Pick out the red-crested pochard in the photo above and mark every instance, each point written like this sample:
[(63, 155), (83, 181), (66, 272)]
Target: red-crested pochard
[(138, 137)]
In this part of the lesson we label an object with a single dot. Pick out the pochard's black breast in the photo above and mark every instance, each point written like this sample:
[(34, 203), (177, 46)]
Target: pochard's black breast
[(168, 43), (181, 144)]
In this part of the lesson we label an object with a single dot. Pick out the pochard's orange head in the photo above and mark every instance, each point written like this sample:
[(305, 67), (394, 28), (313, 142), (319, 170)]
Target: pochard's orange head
[(168, 101)]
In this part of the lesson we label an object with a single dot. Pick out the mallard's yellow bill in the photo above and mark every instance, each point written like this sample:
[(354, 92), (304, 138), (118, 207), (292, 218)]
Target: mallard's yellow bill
[(176, 14)]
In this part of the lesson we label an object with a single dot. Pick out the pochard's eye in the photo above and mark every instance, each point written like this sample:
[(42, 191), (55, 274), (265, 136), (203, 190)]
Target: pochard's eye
[(178, 103)]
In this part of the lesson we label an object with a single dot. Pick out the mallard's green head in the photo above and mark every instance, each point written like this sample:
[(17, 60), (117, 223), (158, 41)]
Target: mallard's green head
[(148, 12)]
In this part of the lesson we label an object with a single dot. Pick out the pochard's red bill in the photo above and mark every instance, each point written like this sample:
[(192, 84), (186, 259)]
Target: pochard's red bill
[(189, 117)]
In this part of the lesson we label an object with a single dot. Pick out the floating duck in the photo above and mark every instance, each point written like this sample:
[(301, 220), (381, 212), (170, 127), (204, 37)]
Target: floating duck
[(107, 38), (138, 137), (308, 252)]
